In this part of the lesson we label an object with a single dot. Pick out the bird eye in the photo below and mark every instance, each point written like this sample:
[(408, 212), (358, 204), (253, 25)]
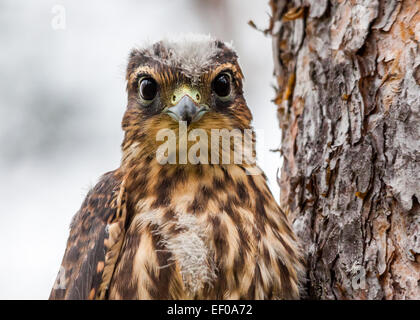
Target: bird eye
[(148, 88), (221, 85)]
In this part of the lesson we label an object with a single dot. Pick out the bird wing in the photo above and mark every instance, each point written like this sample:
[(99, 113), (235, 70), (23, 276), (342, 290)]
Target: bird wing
[(96, 234)]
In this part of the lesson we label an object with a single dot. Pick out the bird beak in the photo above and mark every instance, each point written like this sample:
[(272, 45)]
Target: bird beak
[(186, 110)]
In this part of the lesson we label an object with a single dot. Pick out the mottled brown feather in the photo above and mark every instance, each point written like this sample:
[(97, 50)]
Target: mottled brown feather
[(84, 261)]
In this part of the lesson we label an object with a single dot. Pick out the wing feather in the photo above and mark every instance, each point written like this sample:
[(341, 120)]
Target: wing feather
[(96, 234)]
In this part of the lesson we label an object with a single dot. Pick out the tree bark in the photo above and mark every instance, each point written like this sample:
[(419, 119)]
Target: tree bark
[(348, 99)]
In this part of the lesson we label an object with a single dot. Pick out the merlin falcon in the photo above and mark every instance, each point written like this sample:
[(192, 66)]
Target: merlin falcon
[(194, 229)]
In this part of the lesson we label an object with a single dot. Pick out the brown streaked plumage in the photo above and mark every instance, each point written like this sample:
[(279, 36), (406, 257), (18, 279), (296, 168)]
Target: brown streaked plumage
[(180, 231)]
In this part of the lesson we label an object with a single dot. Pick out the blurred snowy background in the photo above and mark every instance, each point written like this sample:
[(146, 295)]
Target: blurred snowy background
[(62, 97)]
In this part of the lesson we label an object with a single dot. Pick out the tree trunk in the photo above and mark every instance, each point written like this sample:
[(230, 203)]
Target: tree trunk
[(348, 99)]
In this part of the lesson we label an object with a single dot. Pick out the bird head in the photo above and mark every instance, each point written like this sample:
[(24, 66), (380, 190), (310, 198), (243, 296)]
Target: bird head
[(193, 79)]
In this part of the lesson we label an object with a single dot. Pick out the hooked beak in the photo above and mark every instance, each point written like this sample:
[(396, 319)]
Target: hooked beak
[(186, 110)]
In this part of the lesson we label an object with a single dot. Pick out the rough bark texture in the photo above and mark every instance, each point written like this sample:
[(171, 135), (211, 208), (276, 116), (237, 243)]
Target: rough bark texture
[(348, 101)]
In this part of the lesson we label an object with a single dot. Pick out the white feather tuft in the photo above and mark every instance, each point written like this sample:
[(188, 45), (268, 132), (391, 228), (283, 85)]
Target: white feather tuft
[(191, 52), (189, 248)]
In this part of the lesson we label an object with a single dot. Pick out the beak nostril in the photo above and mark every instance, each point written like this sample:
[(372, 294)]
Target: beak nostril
[(174, 98), (186, 110)]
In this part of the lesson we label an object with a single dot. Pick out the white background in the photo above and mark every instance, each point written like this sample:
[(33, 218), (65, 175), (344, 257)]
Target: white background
[(62, 97)]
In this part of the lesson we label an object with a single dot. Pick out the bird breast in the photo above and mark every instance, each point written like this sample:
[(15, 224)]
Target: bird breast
[(221, 236), (186, 240)]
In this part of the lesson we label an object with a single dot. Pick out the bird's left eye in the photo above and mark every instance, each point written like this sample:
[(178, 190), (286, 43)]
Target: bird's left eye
[(148, 88), (221, 85)]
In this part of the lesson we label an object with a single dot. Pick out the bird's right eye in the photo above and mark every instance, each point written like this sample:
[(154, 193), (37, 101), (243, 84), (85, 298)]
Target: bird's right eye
[(148, 88)]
